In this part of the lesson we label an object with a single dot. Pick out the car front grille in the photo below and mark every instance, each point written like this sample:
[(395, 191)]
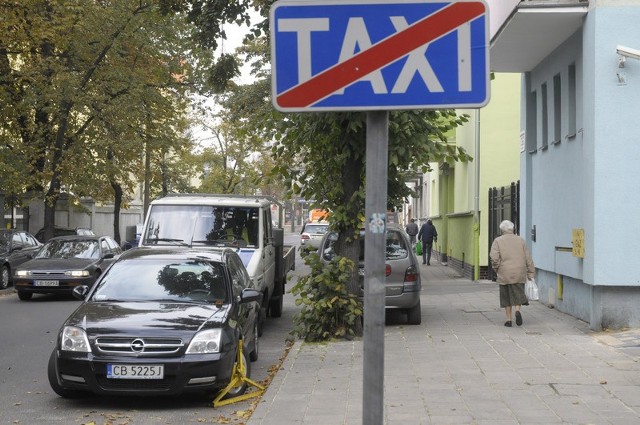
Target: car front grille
[(138, 346), (135, 384), (47, 274)]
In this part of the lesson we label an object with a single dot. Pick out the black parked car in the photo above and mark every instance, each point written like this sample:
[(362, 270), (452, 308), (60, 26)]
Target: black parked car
[(64, 263), (64, 231), (16, 247), (159, 322)]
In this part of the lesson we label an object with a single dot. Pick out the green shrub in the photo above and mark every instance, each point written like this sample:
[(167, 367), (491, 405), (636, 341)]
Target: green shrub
[(328, 310)]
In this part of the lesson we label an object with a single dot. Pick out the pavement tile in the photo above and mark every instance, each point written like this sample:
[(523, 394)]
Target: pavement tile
[(461, 366)]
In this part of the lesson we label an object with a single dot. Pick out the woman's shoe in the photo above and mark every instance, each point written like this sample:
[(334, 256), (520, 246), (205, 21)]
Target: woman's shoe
[(508, 323), (518, 318)]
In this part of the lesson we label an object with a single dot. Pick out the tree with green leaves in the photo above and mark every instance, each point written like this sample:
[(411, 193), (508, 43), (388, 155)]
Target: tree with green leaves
[(322, 155), (86, 89)]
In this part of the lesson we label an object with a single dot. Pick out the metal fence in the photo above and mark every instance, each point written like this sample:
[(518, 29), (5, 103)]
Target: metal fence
[(504, 204)]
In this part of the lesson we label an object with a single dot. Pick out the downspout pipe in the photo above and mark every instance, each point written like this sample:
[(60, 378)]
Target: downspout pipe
[(476, 207)]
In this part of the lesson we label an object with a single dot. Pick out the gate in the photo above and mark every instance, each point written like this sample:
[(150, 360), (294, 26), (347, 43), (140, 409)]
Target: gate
[(504, 204)]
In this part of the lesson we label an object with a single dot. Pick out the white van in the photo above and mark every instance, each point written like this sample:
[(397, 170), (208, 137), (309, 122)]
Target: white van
[(216, 221)]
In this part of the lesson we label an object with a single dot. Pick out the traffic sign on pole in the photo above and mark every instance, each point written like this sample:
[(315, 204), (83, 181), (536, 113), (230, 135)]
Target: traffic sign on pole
[(379, 55)]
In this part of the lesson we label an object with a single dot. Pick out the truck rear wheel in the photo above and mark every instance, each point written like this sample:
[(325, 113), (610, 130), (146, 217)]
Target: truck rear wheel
[(275, 307), (262, 315)]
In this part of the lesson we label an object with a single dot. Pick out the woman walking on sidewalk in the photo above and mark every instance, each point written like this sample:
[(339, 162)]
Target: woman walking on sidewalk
[(513, 265)]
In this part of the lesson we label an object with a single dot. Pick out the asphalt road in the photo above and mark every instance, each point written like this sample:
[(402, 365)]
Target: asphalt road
[(27, 337)]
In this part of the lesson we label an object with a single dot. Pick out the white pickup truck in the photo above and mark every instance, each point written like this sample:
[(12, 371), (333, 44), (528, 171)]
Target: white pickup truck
[(241, 222)]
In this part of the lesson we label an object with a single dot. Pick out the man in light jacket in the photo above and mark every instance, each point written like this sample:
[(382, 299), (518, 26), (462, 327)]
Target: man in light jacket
[(513, 265)]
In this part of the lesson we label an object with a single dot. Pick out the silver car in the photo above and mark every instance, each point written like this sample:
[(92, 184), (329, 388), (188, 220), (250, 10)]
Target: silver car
[(312, 234), (403, 284)]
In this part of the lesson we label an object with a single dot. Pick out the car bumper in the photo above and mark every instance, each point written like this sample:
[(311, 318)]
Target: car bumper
[(63, 286), (400, 295), (192, 373), (404, 300)]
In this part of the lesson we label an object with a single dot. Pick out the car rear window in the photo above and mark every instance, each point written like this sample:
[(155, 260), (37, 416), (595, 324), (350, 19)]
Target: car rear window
[(316, 228), (395, 249)]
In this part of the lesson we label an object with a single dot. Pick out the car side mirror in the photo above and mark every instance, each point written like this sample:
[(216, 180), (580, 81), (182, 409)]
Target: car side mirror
[(80, 292), (248, 295), (17, 248), (108, 256)]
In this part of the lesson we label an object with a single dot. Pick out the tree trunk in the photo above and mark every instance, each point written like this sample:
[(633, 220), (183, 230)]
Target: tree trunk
[(53, 193), (50, 201), (147, 178), (347, 245), (117, 205)]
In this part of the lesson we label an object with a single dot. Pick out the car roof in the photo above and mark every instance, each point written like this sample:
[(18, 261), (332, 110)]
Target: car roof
[(178, 253), (312, 225), (76, 238), (222, 200)]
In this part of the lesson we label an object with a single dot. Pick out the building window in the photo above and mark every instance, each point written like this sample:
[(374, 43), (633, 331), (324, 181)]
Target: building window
[(532, 122), (544, 116), (557, 109), (572, 101)]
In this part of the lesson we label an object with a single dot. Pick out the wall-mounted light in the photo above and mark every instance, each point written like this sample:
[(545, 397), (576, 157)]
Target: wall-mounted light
[(626, 52)]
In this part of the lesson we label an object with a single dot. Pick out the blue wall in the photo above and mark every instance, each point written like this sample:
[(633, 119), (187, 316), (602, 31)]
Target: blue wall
[(586, 175)]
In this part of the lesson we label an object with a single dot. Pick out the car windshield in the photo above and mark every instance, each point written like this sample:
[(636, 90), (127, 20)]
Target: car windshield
[(163, 280), (70, 249), (202, 225), (396, 247)]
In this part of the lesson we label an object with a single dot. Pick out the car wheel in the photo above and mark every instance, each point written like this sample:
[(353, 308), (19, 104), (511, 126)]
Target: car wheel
[(262, 315), (414, 314), (275, 306), (240, 389), (253, 355), (53, 380), (24, 296), (4, 277)]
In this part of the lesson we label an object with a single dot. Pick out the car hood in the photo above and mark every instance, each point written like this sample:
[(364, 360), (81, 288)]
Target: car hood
[(146, 318), (58, 263)]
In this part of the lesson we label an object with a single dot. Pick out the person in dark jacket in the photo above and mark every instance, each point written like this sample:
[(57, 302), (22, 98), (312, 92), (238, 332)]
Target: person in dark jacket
[(427, 235), (412, 231)]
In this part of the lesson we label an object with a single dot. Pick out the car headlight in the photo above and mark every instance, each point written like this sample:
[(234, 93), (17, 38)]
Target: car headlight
[(75, 339), (205, 342), (77, 273), (23, 273)]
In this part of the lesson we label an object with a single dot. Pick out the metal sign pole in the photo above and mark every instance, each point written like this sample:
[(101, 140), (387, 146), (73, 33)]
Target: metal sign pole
[(374, 267)]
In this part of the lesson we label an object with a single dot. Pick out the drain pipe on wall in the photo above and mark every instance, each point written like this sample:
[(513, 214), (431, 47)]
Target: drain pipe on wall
[(476, 207)]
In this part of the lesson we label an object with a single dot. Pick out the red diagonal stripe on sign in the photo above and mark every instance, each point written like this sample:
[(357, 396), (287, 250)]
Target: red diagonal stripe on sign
[(380, 54)]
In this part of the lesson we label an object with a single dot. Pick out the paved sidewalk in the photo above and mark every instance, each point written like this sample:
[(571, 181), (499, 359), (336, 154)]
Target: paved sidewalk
[(462, 366)]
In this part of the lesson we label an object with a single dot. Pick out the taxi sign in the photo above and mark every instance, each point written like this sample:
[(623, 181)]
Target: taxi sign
[(379, 55)]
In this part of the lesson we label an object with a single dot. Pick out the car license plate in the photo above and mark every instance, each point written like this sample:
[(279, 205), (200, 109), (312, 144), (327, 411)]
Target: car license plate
[(46, 283), (129, 371)]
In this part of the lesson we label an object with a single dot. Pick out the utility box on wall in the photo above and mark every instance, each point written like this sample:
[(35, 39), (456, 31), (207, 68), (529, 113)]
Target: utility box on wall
[(577, 240)]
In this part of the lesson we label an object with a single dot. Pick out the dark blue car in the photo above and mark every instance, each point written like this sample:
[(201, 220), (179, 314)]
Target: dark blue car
[(16, 247), (63, 263)]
